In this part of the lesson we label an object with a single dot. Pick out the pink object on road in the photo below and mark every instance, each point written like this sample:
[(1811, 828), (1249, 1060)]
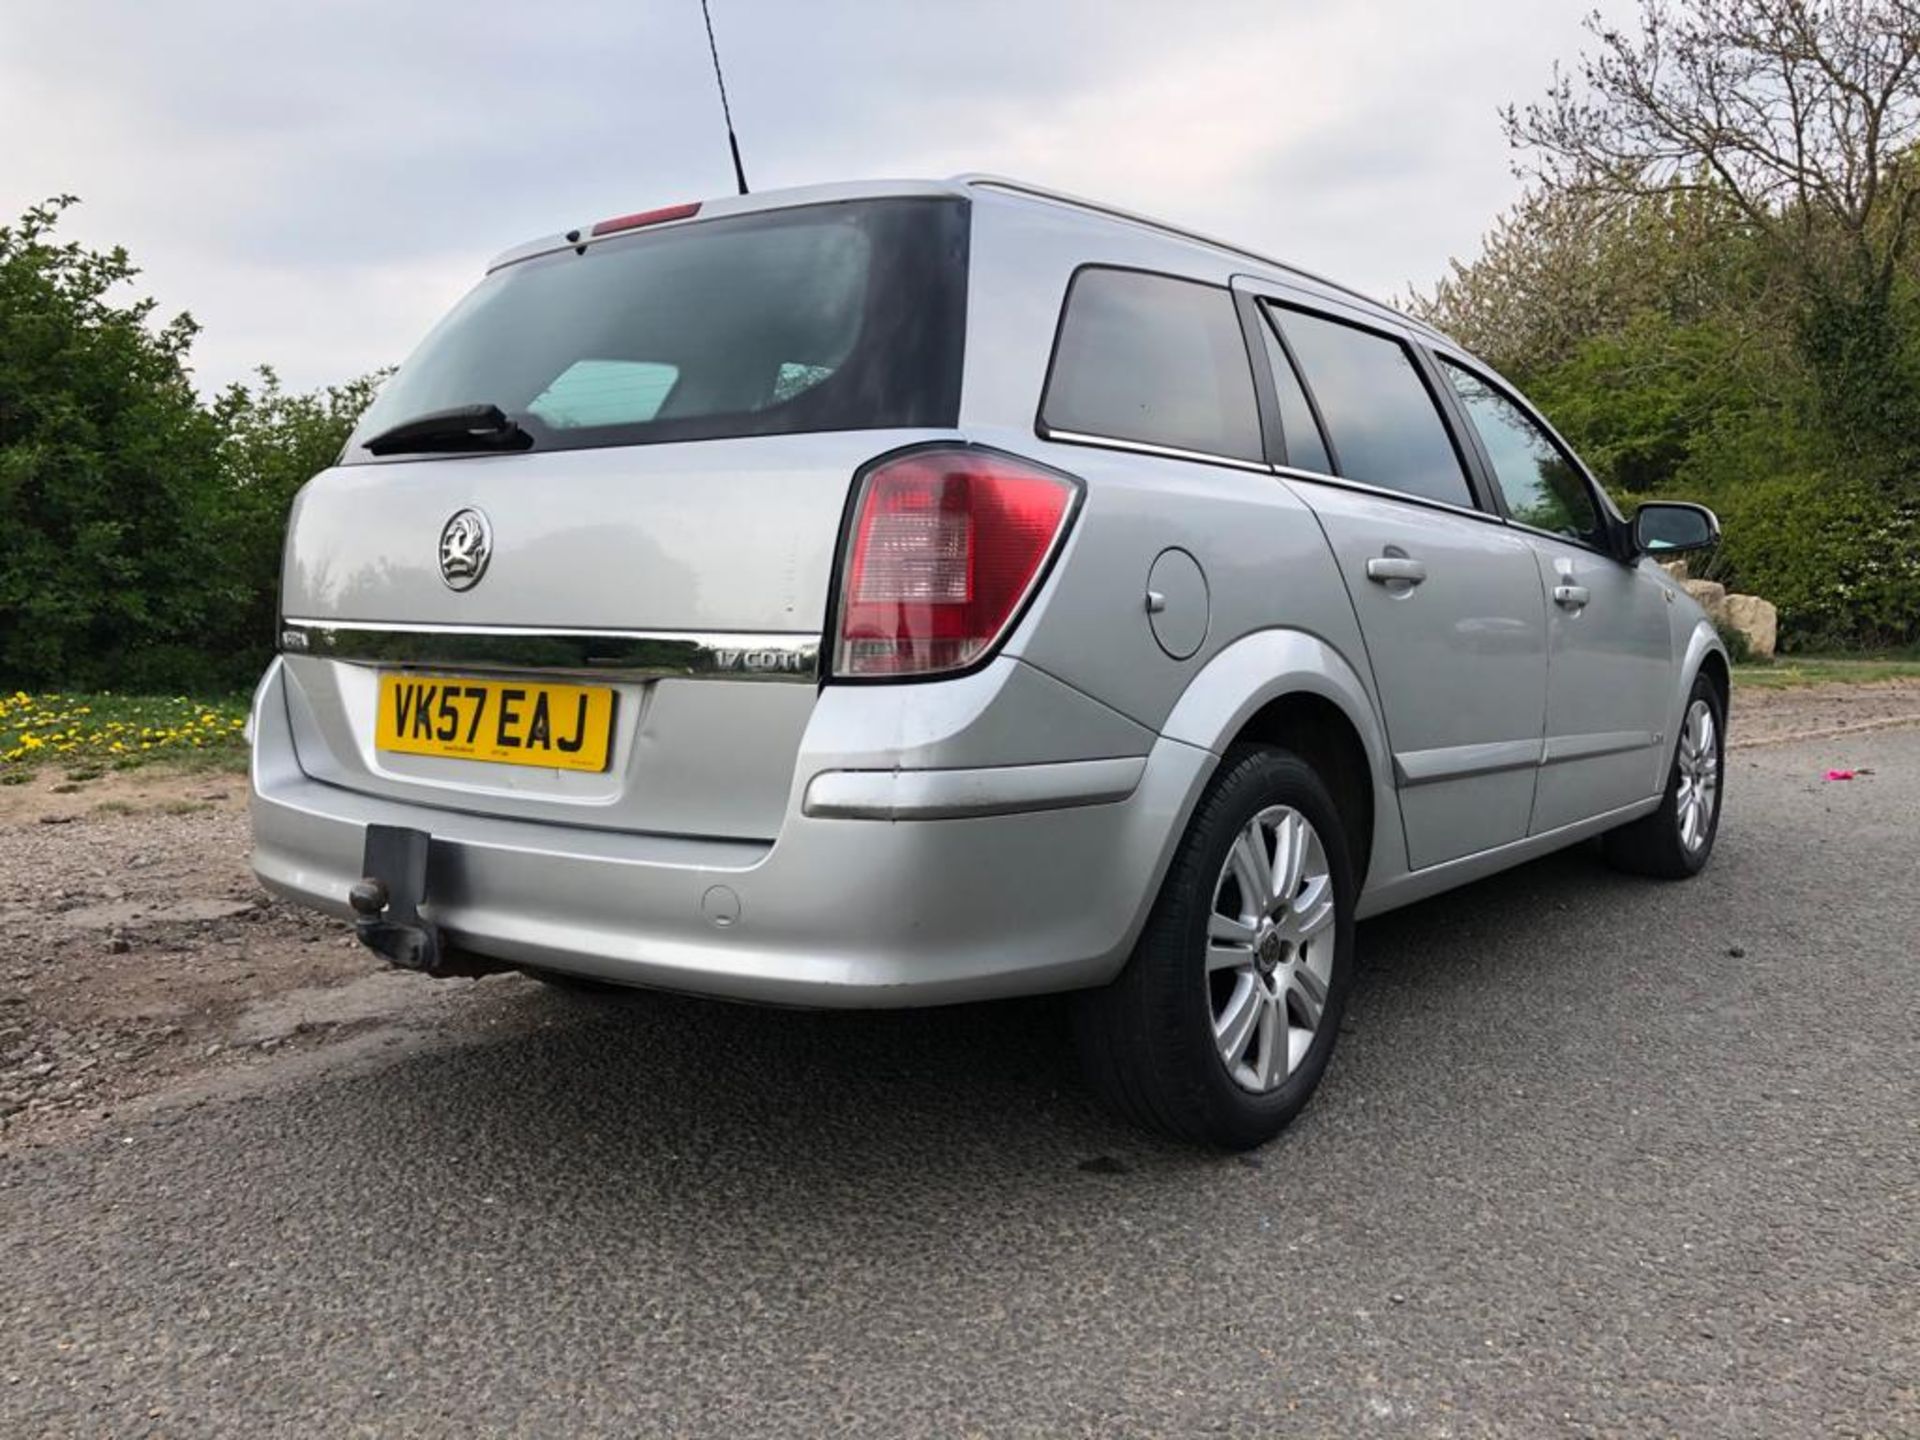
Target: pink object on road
[(1839, 774)]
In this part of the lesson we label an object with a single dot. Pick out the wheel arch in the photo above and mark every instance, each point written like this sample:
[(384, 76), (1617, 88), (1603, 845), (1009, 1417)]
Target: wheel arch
[(1293, 689), (1706, 654), (1319, 732), (1714, 665)]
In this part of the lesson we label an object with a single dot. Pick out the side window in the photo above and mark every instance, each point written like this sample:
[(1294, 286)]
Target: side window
[(1380, 417), (1301, 432), (1153, 359), (1541, 485)]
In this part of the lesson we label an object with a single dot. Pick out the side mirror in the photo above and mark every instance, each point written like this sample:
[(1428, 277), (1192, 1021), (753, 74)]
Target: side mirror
[(1673, 526)]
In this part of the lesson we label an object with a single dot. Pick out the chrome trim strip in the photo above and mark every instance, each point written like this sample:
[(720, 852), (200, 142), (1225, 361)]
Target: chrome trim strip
[(635, 655), (1284, 472), (957, 794), (1143, 447), (1587, 747), (1525, 529), (1457, 762), (1318, 477)]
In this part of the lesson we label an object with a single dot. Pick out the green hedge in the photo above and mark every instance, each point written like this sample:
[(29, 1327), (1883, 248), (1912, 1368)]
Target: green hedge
[(1826, 528), (1841, 559)]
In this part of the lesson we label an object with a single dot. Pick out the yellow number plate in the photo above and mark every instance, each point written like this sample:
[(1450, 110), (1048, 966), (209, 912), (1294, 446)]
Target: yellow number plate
[(565, 727)]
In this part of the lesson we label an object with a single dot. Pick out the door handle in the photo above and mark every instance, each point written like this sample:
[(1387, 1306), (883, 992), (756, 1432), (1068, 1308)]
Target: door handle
[(1386, 569), (1570, 597)]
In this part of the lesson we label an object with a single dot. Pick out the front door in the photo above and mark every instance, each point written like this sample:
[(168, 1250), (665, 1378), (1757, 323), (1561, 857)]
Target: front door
[(1610, 647), (1609, 682)]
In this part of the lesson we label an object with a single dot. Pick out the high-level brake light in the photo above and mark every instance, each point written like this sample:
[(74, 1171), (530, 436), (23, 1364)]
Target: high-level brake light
[(646, 217)]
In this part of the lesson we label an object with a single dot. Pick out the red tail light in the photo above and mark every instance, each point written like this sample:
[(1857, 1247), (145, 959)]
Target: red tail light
[(946, 546)]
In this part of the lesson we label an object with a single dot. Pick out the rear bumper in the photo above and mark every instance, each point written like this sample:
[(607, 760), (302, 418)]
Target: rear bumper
[(1030, 882)]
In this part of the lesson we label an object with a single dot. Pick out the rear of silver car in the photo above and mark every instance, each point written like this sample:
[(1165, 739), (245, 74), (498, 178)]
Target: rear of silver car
[(658, 610)]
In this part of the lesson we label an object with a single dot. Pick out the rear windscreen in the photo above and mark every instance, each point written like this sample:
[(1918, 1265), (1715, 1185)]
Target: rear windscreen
[(847, 316)]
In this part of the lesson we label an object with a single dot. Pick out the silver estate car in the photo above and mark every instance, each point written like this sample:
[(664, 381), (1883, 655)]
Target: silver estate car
[(907, 593)]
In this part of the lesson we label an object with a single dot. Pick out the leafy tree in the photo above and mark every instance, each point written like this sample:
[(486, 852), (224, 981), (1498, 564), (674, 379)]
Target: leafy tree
[(1712, 286), (140, 530), (1803, 117), (107, 461), (1645, 328), (1562, 267)]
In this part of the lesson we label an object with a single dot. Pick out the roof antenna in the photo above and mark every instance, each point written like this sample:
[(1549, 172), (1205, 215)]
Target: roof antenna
[(739, 172)]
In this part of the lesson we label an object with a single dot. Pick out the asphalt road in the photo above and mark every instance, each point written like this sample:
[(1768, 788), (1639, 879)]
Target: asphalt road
[(1597, 1156)]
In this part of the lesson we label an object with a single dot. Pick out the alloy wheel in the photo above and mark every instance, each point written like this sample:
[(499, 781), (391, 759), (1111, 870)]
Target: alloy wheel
[(1699, 790), (1270, 947)]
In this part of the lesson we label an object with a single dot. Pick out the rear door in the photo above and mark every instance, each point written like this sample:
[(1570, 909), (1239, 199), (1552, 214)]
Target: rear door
[(1448, 598), (692, 580), (603, 606), (1610, 647)]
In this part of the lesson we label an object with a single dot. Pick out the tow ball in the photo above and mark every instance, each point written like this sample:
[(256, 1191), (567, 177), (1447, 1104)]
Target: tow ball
[(386, 904), (386, 900)]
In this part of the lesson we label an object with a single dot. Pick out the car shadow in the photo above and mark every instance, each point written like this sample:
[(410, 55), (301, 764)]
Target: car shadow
[(603, 1087), (1559, 894)]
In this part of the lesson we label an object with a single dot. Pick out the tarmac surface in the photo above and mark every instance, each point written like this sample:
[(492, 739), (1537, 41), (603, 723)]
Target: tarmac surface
[(1596, 1156)]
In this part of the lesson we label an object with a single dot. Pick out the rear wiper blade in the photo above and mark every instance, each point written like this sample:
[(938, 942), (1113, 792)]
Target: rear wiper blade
[(465, 427)]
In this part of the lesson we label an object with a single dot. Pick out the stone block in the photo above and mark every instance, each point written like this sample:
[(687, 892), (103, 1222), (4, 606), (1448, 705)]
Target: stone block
[(1754, 618), (1711, 594)]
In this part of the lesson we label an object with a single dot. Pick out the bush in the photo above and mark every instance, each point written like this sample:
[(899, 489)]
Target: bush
[(1739, 648), (1840, 558)]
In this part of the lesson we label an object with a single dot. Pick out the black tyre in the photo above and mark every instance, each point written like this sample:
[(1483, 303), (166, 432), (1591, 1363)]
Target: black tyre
[(1222, 1023), (1674, 842)]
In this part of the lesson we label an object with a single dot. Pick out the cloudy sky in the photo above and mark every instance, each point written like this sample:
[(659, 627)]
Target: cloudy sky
[(317, 179)]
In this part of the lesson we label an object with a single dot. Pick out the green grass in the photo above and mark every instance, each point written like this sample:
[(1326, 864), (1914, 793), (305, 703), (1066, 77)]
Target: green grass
[(85, 735), (1789, 671)]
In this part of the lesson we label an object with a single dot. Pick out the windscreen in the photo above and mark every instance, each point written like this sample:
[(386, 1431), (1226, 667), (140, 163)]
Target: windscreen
[(845, 316)]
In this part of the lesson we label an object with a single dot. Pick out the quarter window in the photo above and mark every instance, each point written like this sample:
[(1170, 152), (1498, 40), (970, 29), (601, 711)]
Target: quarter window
[(1541, 485), (1299, 431), (1153, 359), (1381, 419)]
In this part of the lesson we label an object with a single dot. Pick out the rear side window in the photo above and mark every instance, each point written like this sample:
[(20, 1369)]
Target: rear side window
[(846, 316), (1540, 484), (1153, 359), (1381, 418)]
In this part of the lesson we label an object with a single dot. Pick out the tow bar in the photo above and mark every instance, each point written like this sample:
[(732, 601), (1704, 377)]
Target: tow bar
[(387, 900)]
